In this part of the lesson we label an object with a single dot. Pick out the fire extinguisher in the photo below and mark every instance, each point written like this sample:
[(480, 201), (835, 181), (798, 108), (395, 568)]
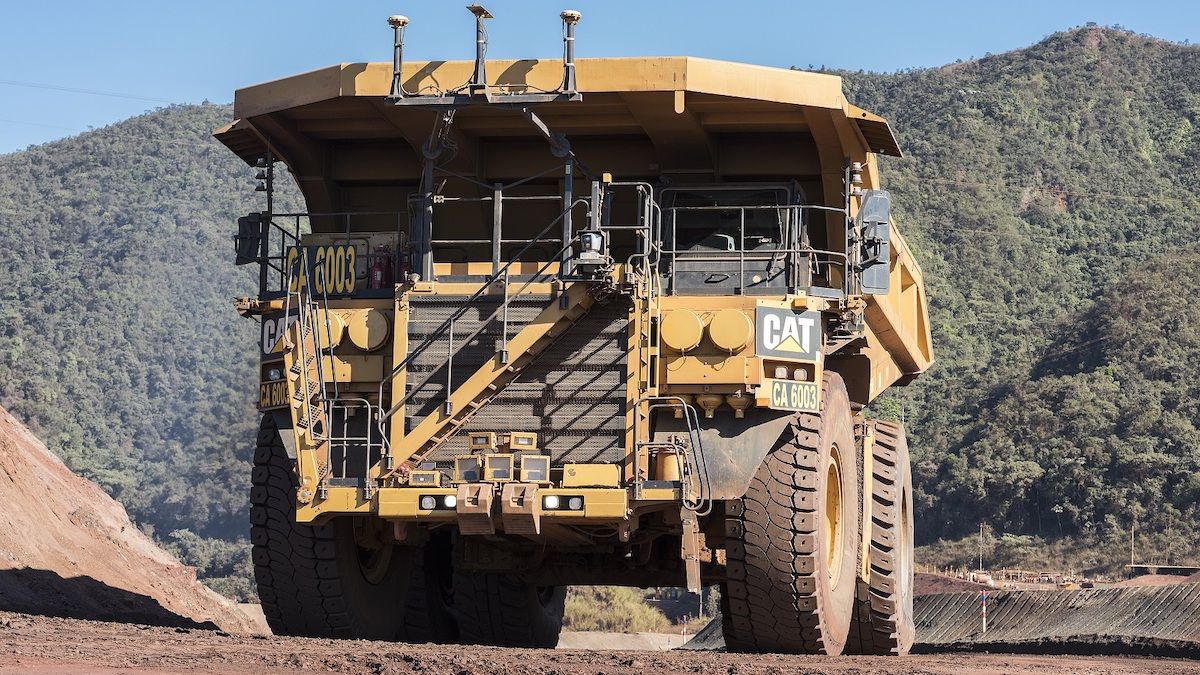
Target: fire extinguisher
[(381, 269)]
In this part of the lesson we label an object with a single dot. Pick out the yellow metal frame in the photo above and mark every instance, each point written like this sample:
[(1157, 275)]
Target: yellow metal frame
[(599, 504)]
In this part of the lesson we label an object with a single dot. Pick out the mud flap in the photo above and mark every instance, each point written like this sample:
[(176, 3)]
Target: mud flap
[(475, 509), (733, 448), (518, 504), (283, 422)]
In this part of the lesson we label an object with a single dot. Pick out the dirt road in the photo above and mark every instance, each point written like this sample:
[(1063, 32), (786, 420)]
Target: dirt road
[(41, 645)]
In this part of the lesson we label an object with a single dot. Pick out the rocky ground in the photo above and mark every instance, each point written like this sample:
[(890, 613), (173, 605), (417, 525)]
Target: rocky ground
[(43, 645), (68, 549), (83, 590)]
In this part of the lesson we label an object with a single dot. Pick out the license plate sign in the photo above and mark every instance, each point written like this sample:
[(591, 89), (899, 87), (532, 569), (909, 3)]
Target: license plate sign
[(272, 395), (797, 396)]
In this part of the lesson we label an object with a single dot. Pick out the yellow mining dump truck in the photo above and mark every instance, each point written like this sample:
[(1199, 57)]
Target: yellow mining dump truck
[(595, 321)]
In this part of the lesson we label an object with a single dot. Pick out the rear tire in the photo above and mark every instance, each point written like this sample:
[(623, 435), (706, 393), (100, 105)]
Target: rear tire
[(501, 610), (428, 615), (883, 616), (317, 581), (792, 541)]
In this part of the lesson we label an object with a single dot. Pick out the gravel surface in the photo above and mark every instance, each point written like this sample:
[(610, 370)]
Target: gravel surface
[(42, 645)]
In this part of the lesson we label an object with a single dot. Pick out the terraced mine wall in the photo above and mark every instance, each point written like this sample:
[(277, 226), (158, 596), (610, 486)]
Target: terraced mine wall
[(1159, 620), (1157, 612)]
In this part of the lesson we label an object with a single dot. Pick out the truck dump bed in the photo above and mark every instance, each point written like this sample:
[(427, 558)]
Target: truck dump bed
[(640, 118)]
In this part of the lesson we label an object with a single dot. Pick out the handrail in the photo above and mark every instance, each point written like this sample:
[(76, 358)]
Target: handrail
[(487, 283), (793, 213)]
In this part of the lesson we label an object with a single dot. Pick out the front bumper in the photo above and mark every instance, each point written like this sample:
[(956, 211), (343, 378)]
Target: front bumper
[(479, 508)]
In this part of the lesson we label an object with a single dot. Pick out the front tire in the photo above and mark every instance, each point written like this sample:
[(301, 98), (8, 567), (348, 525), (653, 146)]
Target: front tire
[(322, 581), (883, 617), (792, 541)]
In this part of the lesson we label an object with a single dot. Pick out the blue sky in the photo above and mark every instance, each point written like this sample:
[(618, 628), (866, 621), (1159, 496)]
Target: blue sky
[(153, 53)]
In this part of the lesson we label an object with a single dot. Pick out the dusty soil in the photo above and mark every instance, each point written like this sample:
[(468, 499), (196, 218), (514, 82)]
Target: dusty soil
[(925, 583), (1153, 580), (68, 549), (42, 645)]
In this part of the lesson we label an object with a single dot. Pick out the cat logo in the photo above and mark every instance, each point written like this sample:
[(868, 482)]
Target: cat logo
[(784, 333), (274, 327)]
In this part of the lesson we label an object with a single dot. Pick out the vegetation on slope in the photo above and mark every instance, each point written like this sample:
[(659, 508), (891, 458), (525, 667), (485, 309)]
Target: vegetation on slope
[(119, 345), (612, 609), (1047, 193)]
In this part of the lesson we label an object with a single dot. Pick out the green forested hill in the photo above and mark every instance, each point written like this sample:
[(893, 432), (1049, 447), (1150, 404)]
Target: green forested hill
[(1047, 192), (118, 340), (1050, 196)]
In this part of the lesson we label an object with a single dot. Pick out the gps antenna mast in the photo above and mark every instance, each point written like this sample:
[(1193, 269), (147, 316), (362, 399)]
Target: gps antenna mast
[(398, 22), (570, 19), (478, 84)]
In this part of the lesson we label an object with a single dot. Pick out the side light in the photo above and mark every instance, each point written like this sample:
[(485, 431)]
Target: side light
[(425, 478)]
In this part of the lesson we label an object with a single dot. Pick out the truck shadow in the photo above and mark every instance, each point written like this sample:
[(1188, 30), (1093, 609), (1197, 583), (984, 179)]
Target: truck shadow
[(37, 591)]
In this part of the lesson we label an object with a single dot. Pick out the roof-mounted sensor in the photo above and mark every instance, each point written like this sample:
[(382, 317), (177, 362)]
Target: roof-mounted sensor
[(477, 89)]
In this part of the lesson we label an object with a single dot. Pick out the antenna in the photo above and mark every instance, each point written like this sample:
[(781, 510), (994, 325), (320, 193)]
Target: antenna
[(478, 84), (476, 90), (570, 19), (398, 22)]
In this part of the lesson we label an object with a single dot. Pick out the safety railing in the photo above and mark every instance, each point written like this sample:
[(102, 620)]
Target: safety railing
[(798, 261), (446, 330), (318, 380), (285, 231)]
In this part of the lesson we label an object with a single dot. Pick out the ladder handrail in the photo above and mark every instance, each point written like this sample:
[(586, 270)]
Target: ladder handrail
[(468, 303)]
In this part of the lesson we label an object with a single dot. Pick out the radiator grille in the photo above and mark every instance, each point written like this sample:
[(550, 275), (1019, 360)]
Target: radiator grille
[(573, 394)]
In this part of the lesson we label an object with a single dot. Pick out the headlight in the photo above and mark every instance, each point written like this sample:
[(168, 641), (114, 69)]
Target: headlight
[(550, 502), (498, 467), (450, 501), (535, 468), (428, 503), (467, 469), (274, 374), (575, 503)]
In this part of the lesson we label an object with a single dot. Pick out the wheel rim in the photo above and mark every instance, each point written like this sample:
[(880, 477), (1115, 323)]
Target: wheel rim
[(834, 546), (906, 559)]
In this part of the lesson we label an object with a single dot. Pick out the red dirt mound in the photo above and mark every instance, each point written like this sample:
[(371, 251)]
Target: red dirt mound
[(928, 584), (68, 549), (1152, 580)]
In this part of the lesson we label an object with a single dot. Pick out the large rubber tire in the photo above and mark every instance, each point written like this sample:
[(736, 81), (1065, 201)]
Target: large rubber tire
[(792, 541), (316, 581), (883, 617), (501, 610), (428, 614)]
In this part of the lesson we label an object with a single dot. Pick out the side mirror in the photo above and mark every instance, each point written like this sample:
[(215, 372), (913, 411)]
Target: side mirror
[(874, 222), (248, 240)]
